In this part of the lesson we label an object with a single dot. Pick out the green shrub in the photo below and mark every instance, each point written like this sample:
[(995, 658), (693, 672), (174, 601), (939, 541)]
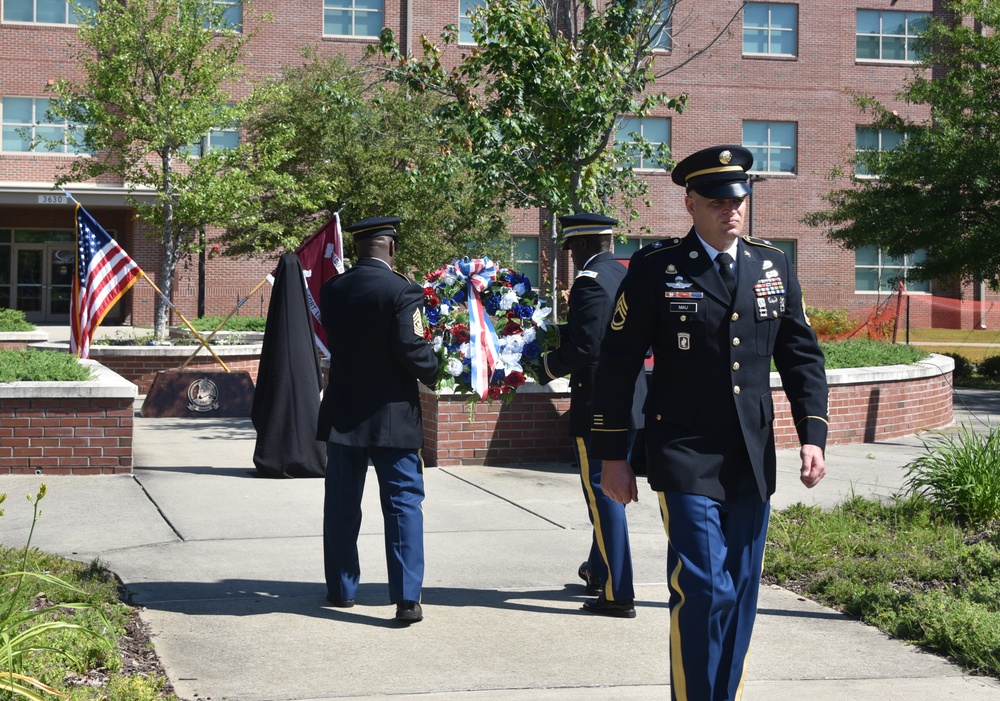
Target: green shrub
[(964, 368), (41, 366), (960, 474), (829, 322), (990, 367), (235, 323), (863, 353), (12, 320)]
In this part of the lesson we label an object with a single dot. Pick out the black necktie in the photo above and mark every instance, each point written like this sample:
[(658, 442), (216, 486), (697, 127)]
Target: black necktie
[(728, 279)]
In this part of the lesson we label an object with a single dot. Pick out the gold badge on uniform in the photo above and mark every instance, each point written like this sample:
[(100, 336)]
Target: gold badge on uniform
[(418, 323), (725, 157), (621, 311), (684, 341)]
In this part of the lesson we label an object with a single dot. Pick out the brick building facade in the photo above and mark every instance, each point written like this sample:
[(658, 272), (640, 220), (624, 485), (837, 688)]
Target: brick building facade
[(778, 80)]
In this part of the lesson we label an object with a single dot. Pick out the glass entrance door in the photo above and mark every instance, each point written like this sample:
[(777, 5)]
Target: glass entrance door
[(30, 275), (44, 288), (62, 264)]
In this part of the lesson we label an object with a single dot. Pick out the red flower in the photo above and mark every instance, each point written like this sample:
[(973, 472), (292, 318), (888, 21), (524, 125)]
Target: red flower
[(494, 392), (512, 328), (515, 379), (428, 335), (431, 300), (460, 332)]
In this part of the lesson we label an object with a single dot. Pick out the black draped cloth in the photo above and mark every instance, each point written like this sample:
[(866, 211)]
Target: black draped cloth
[(289, 381)]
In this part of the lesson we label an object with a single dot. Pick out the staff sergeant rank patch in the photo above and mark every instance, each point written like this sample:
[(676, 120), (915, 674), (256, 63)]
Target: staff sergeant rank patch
[(621, 311)]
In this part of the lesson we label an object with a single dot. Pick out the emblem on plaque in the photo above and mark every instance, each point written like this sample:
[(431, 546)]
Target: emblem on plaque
[(203, 395)]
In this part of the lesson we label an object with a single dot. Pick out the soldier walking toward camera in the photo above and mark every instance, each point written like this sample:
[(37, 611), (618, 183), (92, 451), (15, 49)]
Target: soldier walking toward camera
[(716, 307)]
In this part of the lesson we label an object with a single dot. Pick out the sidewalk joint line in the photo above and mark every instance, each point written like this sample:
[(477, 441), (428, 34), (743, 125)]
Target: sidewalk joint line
[(503, 498), (158, 509)]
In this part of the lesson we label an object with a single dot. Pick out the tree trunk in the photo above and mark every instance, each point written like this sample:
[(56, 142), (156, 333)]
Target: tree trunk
[(171, 248)]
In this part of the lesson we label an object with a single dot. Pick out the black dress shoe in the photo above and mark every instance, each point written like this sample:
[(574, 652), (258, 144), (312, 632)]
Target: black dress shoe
[(409, 612), (591, 582), (340, 603), (616, 609)]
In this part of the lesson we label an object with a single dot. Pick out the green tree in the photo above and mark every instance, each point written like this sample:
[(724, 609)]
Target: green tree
[(936, 190), (542, 94), (154, 82), (327, 136)]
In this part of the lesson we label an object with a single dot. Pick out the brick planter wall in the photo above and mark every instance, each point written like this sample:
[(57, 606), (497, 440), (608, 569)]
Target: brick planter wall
[(62, 428), (139, 364), (876, 404), (533, 428), (866, 404), (19, 340)]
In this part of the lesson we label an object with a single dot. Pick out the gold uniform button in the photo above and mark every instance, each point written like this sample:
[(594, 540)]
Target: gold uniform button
[(659, 418), (735, 317), (736, 366), (736, 341), (684, 317), (736, 389)]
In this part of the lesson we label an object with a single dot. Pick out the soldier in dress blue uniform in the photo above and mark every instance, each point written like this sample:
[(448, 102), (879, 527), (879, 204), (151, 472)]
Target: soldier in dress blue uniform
[(709, 434), (371, 411), (608, 570)]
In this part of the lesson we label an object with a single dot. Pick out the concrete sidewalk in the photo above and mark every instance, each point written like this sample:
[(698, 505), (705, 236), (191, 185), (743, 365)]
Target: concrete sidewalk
[(228, 568)]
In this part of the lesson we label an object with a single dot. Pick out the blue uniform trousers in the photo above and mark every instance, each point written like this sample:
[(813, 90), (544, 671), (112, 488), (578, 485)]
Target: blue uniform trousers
[(714, 559), (401, 491), (610, 557)]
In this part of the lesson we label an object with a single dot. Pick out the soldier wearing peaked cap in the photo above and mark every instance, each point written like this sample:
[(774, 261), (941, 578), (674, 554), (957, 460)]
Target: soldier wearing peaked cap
[(716, 307), (371, 411), (607, 571)]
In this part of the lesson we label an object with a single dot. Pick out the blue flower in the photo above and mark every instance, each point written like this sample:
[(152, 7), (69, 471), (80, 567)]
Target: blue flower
[(492, 305), (460, 297), (433, 316), (531, 350)]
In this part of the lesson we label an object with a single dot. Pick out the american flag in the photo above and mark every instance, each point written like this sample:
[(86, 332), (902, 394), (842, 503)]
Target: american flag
[(104, 272)]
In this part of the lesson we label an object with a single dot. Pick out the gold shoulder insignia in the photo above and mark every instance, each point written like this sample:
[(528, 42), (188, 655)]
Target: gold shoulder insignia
[(762, 243), (418, 323)]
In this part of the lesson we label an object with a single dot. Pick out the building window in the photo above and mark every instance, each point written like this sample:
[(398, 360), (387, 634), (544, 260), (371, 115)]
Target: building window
[(44, 11), (890, 35), (659, 32), (27, 125), (631, 245), (788, 246), (869, 139), (877, 271), (772, 145), (655, 131), (526, 258), (770, 29), (465, 8), (232, 16), (352, 18)]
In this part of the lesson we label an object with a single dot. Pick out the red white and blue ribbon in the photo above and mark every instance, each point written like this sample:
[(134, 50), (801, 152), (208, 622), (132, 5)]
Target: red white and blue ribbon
[(479, 273)]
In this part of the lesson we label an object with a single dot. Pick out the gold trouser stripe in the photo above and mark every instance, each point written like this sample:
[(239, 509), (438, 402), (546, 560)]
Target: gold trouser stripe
[(581, 449), (677, 678)]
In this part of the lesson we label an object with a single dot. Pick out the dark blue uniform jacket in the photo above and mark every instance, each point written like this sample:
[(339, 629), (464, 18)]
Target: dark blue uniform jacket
[(709, 412)]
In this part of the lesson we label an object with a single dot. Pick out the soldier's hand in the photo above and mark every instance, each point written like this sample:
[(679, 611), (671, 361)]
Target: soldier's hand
[(813, 465), (618, 481)]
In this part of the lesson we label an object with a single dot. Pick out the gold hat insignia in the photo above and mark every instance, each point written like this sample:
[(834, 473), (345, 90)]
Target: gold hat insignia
[(725, 157)]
